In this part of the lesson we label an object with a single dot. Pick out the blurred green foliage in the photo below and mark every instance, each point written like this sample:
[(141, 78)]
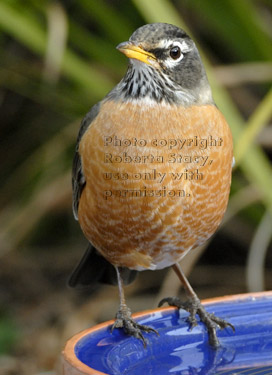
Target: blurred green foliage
[(8, 334)]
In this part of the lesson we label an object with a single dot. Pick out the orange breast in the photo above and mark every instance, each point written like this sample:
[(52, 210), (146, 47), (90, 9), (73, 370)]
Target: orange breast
[(157, 181)]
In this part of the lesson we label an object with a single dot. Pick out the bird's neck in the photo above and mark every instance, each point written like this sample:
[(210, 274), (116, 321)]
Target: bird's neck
[(143, 83)]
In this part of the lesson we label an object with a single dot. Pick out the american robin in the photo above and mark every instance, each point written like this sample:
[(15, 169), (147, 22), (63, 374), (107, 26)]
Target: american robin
[(152, 171)]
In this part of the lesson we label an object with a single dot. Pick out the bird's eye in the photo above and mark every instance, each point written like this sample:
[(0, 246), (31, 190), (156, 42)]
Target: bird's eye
[(175, 52)]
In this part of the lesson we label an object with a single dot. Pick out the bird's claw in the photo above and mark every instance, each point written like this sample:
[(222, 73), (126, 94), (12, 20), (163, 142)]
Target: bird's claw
[(130, 326), (194, 306)]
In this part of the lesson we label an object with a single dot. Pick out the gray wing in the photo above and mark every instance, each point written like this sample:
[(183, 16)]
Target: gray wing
[(78, 179)]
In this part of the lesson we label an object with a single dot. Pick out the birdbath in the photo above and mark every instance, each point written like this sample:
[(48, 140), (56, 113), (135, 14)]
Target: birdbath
[(178, 350)]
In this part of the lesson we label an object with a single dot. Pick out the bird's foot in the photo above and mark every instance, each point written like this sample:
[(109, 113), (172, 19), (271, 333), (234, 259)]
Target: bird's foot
[(194, 306), (130, 326)]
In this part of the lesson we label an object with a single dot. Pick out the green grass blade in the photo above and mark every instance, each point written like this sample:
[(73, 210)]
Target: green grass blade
[(28, 31), (108, 19), (236, 24), (23, 27), (254, 125), (159, 11)]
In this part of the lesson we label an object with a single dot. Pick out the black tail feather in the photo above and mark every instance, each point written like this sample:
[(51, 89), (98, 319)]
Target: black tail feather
[(93, 269)]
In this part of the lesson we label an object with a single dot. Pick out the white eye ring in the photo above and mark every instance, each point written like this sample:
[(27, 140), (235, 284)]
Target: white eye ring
[(168, 44), (180, 50)]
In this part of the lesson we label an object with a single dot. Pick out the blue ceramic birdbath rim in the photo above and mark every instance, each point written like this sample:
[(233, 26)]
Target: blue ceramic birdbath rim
[(178, 350)]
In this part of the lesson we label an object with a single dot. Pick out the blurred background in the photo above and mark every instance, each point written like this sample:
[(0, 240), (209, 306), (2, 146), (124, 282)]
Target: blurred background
[(58, 58)]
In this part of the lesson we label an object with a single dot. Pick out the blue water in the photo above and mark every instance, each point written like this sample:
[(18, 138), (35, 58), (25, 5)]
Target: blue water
[(180, 351)]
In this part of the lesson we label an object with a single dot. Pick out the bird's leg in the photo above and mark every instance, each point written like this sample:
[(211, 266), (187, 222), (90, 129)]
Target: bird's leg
[(194, 306), (123, 316)]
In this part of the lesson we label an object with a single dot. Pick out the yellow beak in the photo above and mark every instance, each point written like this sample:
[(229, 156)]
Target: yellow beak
[(135, 52)]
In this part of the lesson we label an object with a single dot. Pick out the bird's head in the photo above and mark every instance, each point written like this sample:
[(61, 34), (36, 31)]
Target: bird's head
[(164, 65)]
